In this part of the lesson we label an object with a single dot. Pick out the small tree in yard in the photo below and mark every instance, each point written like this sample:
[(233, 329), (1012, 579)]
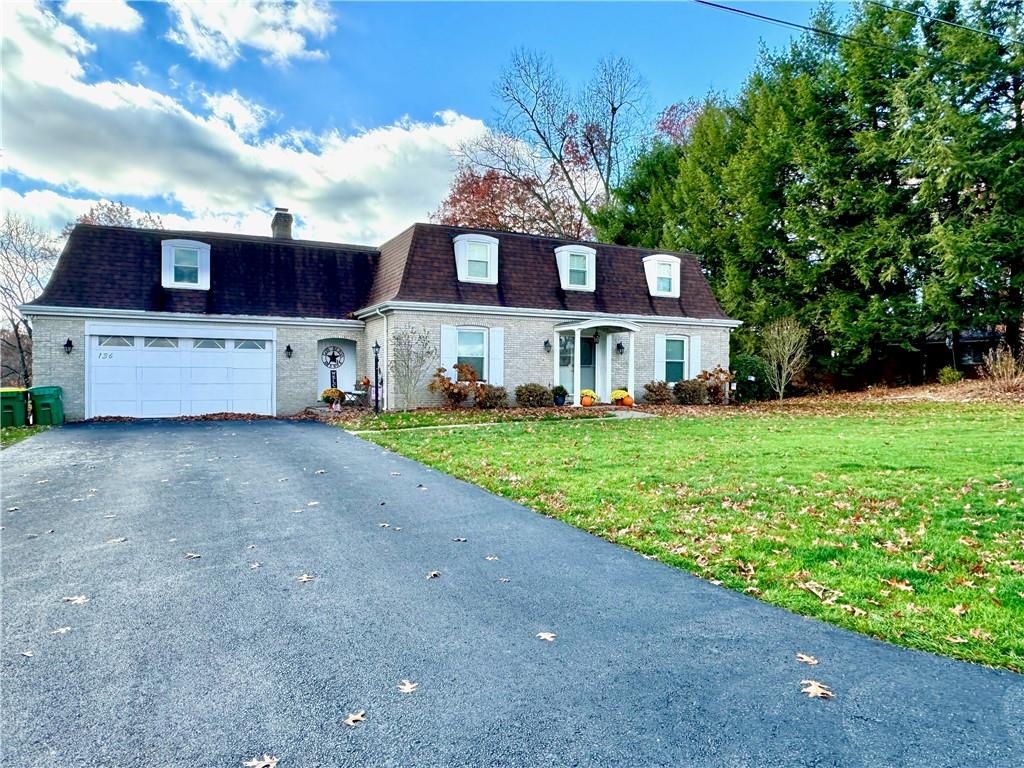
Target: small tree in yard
[(784, 349), (27, 257), (412, 354)]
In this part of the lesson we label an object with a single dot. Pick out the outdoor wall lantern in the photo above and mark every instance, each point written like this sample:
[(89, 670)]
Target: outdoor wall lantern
[(547, 345), (288, 351), (620, 348), (68, 346)]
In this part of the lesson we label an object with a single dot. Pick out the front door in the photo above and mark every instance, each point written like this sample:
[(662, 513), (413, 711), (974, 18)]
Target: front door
[(337, 365), (588, 346)]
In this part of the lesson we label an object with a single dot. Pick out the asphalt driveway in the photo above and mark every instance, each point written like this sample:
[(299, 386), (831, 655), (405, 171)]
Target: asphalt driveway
[(210, 661)]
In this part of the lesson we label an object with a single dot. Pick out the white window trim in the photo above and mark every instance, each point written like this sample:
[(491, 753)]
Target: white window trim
[(685, 361), (461, 243), (487, 347), (167, 264), (651, 264), (562, 254)]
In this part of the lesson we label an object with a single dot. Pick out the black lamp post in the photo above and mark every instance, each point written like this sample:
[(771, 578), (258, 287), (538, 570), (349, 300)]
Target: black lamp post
[(376, 377)]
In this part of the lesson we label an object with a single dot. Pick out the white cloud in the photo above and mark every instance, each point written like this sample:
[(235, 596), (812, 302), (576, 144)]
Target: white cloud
[(104, 14), (116, 140), (246, 117), (217, 31)]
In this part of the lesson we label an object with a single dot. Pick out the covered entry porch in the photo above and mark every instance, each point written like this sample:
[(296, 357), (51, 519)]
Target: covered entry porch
[(584, 351)]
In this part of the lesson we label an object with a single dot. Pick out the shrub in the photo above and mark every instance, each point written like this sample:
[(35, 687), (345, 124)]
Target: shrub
[(717, 382), (533, 396), (657, 393), (691, 392), (1002, 370), (455, 392), (950, 375), (490, 396), (559, 391), (748, 372)]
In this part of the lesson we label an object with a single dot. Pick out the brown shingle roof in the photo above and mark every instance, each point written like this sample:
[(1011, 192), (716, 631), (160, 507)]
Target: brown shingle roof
[(528, 277), (119, 268)]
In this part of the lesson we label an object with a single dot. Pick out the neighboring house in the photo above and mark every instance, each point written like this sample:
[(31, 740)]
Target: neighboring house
[(150, 323)]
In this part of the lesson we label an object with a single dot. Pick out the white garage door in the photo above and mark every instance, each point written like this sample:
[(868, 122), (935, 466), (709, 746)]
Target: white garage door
[(160, 376)]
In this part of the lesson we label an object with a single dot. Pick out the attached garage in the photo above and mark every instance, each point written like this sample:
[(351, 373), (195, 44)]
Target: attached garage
[(154, 371)]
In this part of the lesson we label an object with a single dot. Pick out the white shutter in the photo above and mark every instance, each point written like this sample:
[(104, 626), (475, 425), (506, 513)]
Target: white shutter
[(449, 350), (659, 357), (496, 355), (693, 355)]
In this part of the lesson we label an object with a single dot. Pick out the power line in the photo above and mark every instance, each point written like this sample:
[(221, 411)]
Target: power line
[(795, 25), (925, 17)]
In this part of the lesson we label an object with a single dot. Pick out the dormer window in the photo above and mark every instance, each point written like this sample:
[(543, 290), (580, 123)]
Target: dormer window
[(476, 259), (662, 272), (577, 267), (185, 264)]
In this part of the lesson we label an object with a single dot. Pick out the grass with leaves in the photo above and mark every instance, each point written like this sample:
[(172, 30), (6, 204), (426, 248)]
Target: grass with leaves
[(437, 417), (904, 521), (11, 435)]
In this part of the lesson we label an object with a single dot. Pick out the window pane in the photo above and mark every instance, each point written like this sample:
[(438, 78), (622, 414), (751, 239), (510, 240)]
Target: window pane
[(116, 341), (665, 270), (186, 274), (250, 344), (471, 343), (565, 350), (477, 268), (673, 371), (186, 257), (577, 261), (209, 344), (479, 251), (476, 362), (577, 277), (665, 285), (586, 353), (674, 349), (161, 341)]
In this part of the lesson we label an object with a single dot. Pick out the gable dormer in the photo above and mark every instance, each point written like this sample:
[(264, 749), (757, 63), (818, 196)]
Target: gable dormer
[(662, 272), (185, 264), (577, 267), (476, 258)]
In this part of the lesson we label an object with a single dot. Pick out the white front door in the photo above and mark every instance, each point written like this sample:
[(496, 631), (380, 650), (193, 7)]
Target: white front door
[(337, 364), (159, 376)]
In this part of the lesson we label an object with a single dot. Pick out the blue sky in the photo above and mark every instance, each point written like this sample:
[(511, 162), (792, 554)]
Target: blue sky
[(347, 112)]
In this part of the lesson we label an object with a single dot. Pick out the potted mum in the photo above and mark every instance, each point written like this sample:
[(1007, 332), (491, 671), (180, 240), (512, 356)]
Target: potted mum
[(334, 397), (558, 394), (621, 397), (588, 397)]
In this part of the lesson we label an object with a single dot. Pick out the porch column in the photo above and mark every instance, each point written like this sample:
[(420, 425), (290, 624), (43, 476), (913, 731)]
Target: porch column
[(609, 348), (576, 367), (631, 377), (555, 353)]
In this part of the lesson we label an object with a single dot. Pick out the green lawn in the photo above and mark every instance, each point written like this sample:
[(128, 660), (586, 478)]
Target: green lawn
[(11, 435), (903, 521), (390, 420)]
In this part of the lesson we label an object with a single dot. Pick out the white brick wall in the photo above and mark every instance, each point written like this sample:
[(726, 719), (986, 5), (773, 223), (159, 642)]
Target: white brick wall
[(297, 383)]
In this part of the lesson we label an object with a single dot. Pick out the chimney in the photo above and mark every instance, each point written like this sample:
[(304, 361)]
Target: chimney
[(281, 225)]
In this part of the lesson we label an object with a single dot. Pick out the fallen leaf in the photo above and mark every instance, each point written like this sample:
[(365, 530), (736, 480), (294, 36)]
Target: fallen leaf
[(355, 717), (61, 631), (816, 690), (395, 474), (251, 546), (960, 609), (76, 600), (384, 525), (305, 578), (120, 540), (192, 555), (956, 639), (320, 472), (407, 686), (256, 564), (312, 503), (27, 653), (979, 634), (806, 659), (504, 580), (433, 574), (548, 636), (261, 762), (458, 539), (492, 557)]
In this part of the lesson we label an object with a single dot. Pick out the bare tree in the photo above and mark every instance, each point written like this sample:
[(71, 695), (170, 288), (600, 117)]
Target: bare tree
[(784, 348), (115, 214), (558, 145), (27, 257), (412, 354)]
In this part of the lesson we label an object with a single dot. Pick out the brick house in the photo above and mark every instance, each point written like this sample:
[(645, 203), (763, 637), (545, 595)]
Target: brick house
[(154, 323)]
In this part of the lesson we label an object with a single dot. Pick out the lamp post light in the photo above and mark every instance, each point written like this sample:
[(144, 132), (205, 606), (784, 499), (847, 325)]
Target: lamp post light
[(68, 346), (376, 377)]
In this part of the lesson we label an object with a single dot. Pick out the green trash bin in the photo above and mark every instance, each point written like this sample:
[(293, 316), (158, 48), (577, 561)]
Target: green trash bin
[(47, 405), (13, 406)]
